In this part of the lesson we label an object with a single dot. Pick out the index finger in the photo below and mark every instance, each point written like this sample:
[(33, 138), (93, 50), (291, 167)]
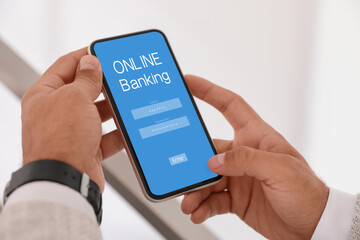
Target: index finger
[(231, 105), (60, 73)]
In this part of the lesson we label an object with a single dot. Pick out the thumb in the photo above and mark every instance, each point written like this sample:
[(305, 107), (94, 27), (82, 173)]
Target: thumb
[(89, 76), (252, 162)]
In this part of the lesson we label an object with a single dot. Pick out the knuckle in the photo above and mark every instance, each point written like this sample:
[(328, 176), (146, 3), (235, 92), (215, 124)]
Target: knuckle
[(232, 102), (291, 167), (245, 157), (29, 95), (270, 142), (24, 100), (291, 162), (65, 58), (244, 153), (62, 59), (214, 206), (242, 158), (29, 101)]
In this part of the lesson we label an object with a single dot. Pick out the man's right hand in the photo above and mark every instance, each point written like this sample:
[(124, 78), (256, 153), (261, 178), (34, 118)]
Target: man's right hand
[(266, 182)]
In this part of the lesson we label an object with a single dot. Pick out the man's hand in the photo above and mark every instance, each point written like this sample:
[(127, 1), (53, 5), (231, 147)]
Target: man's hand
[(60, 120), (266, 182)]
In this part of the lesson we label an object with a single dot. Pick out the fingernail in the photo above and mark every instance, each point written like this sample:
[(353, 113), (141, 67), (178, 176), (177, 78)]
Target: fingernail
[(88, 62), (216, 161)]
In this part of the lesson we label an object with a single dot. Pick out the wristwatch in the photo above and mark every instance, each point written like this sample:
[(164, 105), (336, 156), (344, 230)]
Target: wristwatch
[(60, 172)]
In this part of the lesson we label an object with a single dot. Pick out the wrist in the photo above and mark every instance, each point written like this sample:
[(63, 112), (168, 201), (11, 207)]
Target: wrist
[(59, 172), (82, 160), (319, 204), (74, 162)]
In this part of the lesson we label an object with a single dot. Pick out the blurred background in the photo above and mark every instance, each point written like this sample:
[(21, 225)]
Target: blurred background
[(296, 62)]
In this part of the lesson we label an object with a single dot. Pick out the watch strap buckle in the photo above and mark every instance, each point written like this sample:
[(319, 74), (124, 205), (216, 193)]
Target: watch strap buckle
[(85, 185)]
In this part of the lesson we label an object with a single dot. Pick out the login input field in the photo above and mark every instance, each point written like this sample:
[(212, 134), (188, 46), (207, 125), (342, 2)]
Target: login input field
[(156, 108)]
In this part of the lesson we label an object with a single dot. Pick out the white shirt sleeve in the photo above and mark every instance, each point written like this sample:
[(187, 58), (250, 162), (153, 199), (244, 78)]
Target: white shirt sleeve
[(51, 192), (335, 222)]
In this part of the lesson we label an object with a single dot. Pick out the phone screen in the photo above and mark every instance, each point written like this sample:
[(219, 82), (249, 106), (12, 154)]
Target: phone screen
[(159, 119)]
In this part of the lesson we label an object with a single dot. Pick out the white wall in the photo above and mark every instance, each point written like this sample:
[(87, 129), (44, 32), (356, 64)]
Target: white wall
[(334, 114), (257, 48), (296, 62)]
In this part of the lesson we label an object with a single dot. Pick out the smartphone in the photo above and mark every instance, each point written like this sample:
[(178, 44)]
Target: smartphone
[(166, 139)]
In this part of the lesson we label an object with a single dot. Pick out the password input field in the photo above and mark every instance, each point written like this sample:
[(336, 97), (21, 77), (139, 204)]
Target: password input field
[(164, 127)]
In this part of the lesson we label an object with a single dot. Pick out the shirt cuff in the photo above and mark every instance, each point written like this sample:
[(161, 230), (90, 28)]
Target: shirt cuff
[(335, 222), (51, 192)]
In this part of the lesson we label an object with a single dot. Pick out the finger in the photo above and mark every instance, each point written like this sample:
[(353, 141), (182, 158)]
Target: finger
[(222, 145), (63, 70), (252, 162), (111, 143), (58, 74), (104, 110), (231, 105), (215, 204), (193, 199), (88, 77)]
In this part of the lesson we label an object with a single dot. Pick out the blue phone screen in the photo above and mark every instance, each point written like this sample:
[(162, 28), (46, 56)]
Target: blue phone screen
[(163, 126)]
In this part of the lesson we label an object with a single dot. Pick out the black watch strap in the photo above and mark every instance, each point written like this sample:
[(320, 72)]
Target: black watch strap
[(60, 172)]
